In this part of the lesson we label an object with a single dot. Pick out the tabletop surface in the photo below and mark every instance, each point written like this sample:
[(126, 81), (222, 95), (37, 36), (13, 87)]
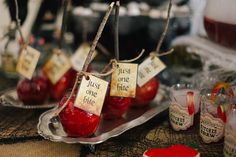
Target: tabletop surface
[(19, 138)]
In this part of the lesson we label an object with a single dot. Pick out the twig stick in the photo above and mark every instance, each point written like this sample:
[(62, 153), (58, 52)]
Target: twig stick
[(71, 94), (64, 20), (97, 37), (88, 59), (85, 30), (165, 28), (18, 21), (116, 31), (153, 54), (103, 49), (122, 61), (133, 59), (165, 53)]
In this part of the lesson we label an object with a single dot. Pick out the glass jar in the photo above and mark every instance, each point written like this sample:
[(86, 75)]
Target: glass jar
[(184, 104), (213, 116), (220, 21), (230, 132)]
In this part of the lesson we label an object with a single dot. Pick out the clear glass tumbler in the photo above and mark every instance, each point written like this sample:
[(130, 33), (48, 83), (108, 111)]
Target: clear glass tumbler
[(230, 132), (184, 104)]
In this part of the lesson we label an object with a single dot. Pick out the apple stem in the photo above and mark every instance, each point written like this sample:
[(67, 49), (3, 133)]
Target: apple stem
[(97, 37), (64, 20), (18, 22), (71, 94), (116, 31), (89, 56), (163, 35), (103, 49)]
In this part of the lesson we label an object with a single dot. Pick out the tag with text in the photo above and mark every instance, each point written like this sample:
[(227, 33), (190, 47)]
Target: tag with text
[(124, 80), (27, 61), (8, 62), (80, 55), (148, 69), (91, 95), (57, 66)]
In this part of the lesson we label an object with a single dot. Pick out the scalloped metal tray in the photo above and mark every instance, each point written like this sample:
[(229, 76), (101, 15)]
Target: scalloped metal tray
[(10, 99), (107, 128)]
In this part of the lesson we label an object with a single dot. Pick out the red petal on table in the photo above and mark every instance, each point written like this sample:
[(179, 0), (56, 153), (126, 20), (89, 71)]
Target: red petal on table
[(190, 102), (221, 112), (177, 150)]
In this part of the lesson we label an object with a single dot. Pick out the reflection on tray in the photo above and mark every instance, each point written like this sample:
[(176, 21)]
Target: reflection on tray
[(10, 99), (107, 128)]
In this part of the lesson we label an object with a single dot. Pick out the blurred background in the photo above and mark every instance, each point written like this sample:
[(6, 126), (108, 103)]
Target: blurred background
[(141, 23)]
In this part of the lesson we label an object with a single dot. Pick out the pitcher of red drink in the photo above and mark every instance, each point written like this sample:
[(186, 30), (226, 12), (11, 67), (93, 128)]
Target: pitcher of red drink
[(220, 22)]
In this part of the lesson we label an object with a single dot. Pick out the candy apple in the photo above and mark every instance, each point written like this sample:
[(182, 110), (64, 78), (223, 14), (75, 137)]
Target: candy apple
[(146, 93), (34, 91), (66, 82), (77, 122), (114, 107)]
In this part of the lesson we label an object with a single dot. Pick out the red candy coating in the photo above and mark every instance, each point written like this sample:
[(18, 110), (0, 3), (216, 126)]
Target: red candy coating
[(146, 93), (77, 122)]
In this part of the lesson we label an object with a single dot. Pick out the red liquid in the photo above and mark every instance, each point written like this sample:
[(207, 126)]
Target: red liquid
[(220, 32)]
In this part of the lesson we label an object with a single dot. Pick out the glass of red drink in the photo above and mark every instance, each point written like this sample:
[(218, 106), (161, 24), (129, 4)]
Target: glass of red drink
[(220, 22)]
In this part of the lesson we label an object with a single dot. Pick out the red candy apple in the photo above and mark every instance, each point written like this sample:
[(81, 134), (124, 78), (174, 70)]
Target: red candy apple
[(34, 91), (77, 122), (59, 89), (114, 107), (146, 93)]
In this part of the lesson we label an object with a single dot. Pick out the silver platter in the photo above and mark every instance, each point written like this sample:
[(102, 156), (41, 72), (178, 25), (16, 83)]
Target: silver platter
[(10, 99), (107, 128)]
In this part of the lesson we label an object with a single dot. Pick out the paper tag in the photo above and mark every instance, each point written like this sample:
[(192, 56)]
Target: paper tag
[(80, 55), (57, 66), (124, 80), (211, 129), (179, 117), (230, 144), (8, 62), (91, 95), (149, 68), (27, 61)]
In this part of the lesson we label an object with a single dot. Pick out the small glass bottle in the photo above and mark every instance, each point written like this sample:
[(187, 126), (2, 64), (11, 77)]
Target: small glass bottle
[(184, 104), (213, 116), (230, 132)]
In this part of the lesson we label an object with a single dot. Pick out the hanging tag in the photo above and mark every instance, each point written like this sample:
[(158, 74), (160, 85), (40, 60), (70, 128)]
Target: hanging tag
[(148, 69), (124, 80), (80, 55), (27, 61), (8, 62), (57, 66), (91, 95)]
